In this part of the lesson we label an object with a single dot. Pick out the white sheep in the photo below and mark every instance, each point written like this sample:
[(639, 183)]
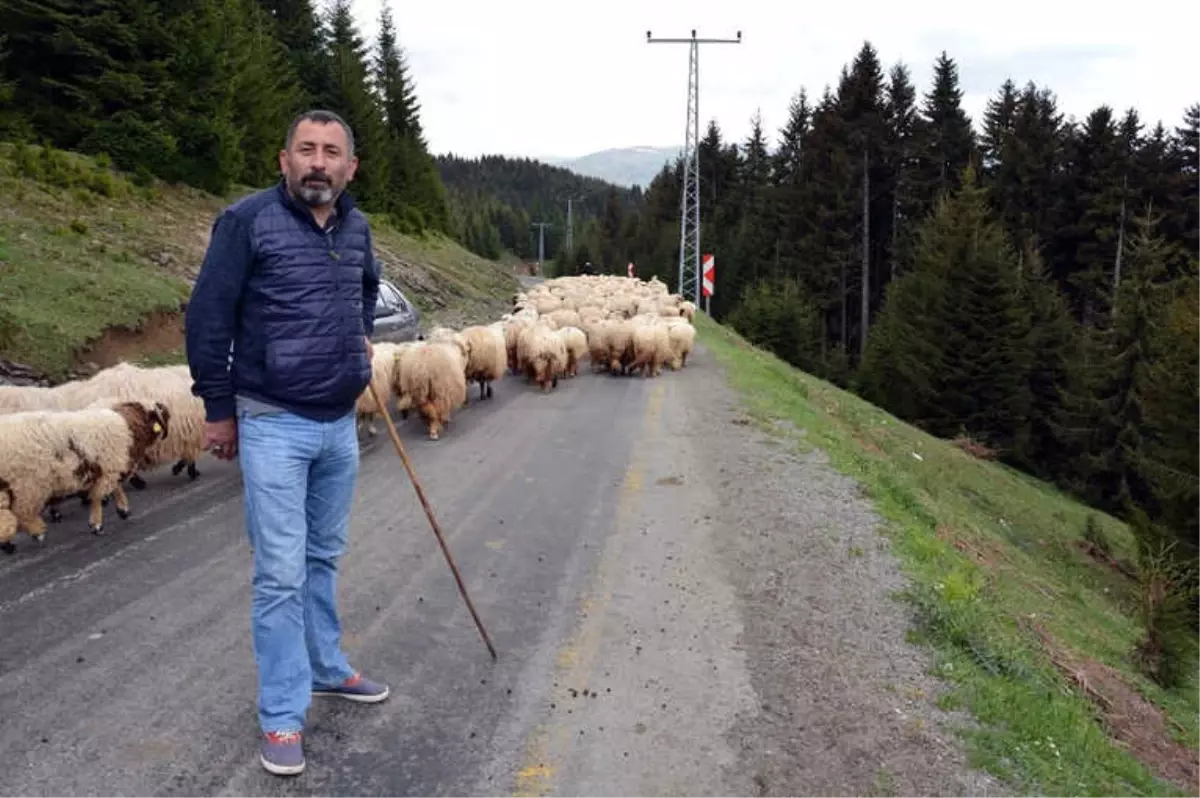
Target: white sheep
[(48, 453), (576, 343), (383, 379), (431, 378), (541, 355), (682, 336), (487, 355), (651, 345)]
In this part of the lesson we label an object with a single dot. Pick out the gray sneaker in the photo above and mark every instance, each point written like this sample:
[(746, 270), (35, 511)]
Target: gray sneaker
[(356, 688), (283, 753)]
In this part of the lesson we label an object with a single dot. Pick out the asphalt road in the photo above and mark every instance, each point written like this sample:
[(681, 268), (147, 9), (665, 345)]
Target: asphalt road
[(610, 548), (125, 660)]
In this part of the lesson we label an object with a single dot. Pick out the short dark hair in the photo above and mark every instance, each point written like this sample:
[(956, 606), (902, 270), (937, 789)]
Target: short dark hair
[(323, 117)]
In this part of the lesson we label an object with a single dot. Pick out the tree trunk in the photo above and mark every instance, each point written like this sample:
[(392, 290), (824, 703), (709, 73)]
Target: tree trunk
[(866, 256), (1120, 246)]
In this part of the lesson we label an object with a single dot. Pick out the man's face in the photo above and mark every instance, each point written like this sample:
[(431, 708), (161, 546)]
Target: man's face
[(317, 166)]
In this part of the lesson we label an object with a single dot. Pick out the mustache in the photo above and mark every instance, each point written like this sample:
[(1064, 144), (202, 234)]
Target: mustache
[(316, 177)]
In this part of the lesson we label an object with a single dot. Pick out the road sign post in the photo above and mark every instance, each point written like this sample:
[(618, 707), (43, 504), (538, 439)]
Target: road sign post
[(709, 280)]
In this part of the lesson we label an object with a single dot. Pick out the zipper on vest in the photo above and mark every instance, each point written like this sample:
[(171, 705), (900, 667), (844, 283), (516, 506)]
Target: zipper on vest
[(331, 239)]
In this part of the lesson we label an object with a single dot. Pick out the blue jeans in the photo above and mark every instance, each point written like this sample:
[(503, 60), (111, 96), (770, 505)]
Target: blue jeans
[(299, 480)]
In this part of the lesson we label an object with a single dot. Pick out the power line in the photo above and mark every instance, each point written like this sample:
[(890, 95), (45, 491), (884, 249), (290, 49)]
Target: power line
[(689, 204)]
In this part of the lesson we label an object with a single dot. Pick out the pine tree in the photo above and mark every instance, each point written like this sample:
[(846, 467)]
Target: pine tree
[(790, 193), (612, 247), (1184, 209), (400, 107), (305, 39), (354, 101), (953, 353), (949, 142), (415, 188), (999, 124), (265, 89), (828, 252), (753, 257), (1102, 419), (200, 113), (860, 99), (1052, 345), (93, 77), (1089, 239), (1168, 462), (901, 113)]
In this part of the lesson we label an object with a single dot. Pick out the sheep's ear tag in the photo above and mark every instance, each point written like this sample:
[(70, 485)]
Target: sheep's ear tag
[(157, 428)]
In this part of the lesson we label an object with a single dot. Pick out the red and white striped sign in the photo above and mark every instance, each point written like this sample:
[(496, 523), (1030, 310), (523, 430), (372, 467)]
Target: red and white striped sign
[(709, 271)]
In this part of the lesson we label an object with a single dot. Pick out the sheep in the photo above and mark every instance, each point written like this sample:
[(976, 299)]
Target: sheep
[(546, 304), (487, 356), (383, 378), (171, 385), (20, 398), (431, 378), (651, 345), (562, 318), (512, 333), (688, 311), (576, 343), (541, 355), (682, 336), (48, 453), (597, 340), (620, 351)]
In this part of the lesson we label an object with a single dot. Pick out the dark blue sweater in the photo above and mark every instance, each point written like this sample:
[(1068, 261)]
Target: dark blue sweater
[(295, 301)]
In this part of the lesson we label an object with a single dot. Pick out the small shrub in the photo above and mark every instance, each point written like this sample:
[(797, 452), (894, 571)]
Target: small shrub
[(143, 177), (55, 168), (1166, 591), (80, 226), (1095, 535), (103, 183), (104, 160), (25, 159)]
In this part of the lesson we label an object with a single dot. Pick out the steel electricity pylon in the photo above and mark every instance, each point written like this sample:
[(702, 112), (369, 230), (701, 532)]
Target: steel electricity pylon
[(689, 205)]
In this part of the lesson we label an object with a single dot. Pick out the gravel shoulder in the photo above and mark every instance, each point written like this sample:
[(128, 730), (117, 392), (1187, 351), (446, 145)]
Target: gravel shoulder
[(736, 634), (845, 704)]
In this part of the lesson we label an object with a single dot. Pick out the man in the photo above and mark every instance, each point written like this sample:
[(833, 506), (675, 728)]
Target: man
[(278, 341)]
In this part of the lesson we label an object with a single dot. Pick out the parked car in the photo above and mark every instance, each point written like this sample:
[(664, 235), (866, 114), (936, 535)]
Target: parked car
[(396, 319)]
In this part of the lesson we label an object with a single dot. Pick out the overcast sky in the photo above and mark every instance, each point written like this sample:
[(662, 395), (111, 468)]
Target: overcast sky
[(539, 78)]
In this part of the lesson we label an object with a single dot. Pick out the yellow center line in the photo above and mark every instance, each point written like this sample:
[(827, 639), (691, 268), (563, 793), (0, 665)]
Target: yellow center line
[(549, 743)]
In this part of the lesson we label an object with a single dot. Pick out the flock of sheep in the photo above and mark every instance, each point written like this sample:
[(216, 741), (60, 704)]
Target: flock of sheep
[(86, 438)]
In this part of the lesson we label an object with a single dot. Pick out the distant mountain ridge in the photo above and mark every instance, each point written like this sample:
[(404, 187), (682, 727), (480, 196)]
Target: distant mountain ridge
[(624, 166)]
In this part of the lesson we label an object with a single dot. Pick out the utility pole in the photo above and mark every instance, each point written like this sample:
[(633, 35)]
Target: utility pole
[(689, 210), (570, 245), (541, 226)]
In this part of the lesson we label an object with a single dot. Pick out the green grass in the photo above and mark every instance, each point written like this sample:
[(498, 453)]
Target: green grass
[(84, 248), (1019, 564)]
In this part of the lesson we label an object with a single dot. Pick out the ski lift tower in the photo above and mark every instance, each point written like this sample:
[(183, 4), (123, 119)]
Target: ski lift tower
[(689, 205)]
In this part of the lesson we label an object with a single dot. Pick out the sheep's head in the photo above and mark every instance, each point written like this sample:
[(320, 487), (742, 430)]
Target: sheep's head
[(160, 420), (148, 423)]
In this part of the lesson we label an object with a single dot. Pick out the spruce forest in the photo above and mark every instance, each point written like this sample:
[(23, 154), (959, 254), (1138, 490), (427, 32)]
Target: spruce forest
[(201, 92), (1026, 283)]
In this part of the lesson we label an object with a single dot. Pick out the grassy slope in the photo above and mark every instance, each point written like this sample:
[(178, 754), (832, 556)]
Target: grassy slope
[(83, 249), (1021, 565)]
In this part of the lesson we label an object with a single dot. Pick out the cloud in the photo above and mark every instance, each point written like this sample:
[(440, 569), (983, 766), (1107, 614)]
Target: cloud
[(540, 78)]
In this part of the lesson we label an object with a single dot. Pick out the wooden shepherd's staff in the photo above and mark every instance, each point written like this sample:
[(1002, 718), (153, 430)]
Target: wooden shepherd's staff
[(429, 514)]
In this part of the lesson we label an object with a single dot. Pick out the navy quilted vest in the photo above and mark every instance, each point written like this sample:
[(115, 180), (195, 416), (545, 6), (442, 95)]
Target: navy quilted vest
[(299, 343)]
